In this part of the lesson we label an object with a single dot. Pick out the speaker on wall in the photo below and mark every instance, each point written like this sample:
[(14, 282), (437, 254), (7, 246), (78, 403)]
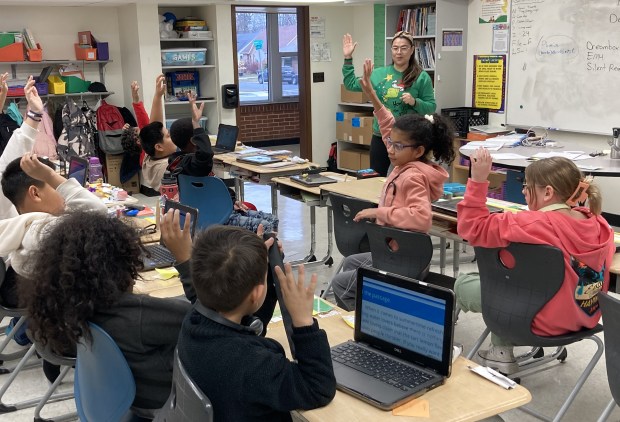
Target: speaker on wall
[(230, 96)]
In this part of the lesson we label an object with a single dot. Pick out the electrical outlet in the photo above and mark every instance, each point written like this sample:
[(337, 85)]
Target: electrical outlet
[(318, 77)]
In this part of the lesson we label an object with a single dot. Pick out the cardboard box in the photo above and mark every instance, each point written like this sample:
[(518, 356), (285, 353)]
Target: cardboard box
[(344, 126), (347, 96), (362, 130), (113, 165), (85, 37), (350, 159), (364, 159)]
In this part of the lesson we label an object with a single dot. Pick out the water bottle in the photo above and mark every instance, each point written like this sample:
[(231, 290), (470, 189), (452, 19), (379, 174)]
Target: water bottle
[(167, 190), (95, 172)]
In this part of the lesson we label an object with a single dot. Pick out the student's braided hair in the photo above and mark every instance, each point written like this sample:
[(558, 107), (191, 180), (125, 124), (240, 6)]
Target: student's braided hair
[(84, 263)]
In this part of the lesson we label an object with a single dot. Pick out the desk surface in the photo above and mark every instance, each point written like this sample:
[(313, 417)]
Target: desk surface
[(364, 189), (230, 159), (465, 396), (608, 167), (316, 190)]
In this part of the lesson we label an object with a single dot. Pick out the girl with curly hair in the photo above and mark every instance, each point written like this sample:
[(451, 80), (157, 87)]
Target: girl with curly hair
[(86, 266)]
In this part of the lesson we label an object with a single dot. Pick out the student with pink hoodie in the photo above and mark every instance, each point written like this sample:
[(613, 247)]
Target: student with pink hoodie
[(553, 187), (413, 142)]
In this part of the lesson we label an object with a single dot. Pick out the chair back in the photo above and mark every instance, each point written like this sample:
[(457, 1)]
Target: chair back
[(411, 257), (350, 236), (104, 386), (186, 402), (511, 297), (610, 309), (209, 195)]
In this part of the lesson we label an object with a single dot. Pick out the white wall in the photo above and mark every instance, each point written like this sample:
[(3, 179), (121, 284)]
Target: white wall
[(356, 20), (479, 42), (56, 28)]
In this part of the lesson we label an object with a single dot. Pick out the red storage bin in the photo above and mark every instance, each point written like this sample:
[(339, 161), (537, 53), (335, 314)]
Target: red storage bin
[(12, 53)]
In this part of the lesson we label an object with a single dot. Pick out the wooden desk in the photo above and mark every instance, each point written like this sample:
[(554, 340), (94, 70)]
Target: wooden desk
[(311, 196), (464, 397)]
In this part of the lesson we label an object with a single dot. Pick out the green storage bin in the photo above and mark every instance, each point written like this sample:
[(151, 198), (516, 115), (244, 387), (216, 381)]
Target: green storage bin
[(6, 38), (73, 84)]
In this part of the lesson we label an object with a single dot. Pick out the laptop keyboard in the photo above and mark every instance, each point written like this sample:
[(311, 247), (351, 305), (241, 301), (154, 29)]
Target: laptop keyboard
[(378, 366), (160, 254)]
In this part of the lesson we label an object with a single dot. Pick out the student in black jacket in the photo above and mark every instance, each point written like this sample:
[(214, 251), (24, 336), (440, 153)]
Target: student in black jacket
[(248, 377)]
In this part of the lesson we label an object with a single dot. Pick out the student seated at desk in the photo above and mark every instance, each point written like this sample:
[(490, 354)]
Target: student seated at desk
[(412, 142), (247, 377), (552, 189)]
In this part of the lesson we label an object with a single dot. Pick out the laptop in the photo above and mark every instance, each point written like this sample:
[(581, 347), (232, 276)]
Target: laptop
[(403, 339), (158, 256), (258, 160), (78, 169), (312, 179), (449, 207), (226, 139)]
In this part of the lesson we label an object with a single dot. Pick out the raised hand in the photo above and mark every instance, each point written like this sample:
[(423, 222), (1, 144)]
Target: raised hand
[(196, 110), (4, 87), (160, 86), (481, 162), (348, 46), (365, 79), (177, 240), (298, 297), (135, 92), (32, 96)]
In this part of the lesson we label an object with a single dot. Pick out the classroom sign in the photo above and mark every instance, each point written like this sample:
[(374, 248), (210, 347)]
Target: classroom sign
[(489, 82)]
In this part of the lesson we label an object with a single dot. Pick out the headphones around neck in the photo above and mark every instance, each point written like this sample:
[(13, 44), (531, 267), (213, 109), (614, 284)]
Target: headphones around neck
[(250, 324)]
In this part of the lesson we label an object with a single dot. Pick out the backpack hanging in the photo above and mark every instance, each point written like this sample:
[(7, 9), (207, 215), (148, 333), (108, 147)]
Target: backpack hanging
[(110, 124), (44, 143), (77, 137)]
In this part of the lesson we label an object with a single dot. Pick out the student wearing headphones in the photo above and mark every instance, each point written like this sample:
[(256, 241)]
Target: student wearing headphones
[(248, 377)]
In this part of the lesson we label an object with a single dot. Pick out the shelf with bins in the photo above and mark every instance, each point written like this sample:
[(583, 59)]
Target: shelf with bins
[(43, 63)]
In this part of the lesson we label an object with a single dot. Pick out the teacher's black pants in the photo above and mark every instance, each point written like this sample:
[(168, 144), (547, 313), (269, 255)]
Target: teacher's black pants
[(379, 160)]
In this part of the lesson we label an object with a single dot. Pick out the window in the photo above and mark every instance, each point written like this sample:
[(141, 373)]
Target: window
[(267, 62)]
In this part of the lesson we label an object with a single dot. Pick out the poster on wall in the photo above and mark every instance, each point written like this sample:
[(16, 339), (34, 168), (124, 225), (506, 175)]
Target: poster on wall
[(492, 11), (500, 38), (317, 27), (489, 85)]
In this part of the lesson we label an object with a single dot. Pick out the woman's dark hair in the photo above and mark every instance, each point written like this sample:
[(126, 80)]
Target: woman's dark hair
[(413, 70), (433, 132), (150, 135), (227, 262), (84, 263)]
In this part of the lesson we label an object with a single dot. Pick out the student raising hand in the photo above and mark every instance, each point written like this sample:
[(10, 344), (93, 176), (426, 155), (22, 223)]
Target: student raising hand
[(196, 110), (177, 240), (160, 86), (348, 46), (298, 297), (481, 162), (4, 88), (135, 92), (35, 103), (367, 87)]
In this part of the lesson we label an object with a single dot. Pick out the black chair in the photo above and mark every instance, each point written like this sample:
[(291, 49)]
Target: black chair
[(614, 221), (186, 402), (511, 298), (610, 308), (412, 257), (351, 237)]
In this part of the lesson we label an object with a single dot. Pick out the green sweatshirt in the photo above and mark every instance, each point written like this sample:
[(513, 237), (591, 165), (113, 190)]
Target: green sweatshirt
[(387, 84)]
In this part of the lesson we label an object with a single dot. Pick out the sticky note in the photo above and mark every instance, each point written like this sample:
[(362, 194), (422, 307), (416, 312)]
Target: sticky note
[(167, 273), (320, 306), (417, 407), (350, 320)]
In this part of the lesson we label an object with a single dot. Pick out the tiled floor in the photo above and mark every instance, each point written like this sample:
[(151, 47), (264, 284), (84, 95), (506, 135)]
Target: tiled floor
[(548, 387)]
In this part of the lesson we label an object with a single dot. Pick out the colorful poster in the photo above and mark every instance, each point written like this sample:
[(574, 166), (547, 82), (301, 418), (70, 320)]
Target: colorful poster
[(493, 11), (489, 85)]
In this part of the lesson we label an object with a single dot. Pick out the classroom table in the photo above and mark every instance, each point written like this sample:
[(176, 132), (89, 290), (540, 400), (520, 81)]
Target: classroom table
[(227, 163), (443, 225), (464, 397), (311, 196)]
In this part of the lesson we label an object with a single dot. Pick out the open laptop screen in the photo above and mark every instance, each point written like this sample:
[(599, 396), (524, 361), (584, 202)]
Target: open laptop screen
[(227, 137), (406, 318)]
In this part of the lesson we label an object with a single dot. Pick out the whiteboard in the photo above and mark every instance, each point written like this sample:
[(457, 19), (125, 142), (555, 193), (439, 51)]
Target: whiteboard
[(564, 65)]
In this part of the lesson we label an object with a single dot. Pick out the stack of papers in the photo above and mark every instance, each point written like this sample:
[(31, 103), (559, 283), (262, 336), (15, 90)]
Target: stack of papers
[(489, 129), (571, 155), (491, 144)]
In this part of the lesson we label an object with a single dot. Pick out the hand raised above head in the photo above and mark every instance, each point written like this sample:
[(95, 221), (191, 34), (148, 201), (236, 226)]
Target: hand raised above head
[(348, 46), (160, 85), (365, 79), (32, 96), (135, 92), (4, 87), (481, 162), (177, 240)]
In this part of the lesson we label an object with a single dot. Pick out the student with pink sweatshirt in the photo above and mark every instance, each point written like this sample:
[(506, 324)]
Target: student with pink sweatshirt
[(414, 143), (553, 187)]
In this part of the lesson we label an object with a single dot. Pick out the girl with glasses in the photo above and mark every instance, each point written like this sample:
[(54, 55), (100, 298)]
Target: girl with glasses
[(555, 190), (414, 144), (402, 87)]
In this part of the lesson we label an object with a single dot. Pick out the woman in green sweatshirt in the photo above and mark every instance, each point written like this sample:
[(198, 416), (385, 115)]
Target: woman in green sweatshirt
[(403, 88)]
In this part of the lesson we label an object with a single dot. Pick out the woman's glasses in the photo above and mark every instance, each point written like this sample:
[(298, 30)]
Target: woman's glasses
[(402, 49), (397, 147)]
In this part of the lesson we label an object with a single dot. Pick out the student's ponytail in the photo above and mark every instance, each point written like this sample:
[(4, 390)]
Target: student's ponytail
[(443, 144), (595, 199)]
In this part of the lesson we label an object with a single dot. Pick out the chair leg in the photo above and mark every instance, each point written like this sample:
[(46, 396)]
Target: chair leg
[(605, 415), (46, 397), (478, 343), (15, 355), (329, 285)]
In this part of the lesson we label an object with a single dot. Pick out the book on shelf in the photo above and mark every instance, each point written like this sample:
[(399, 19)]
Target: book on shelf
[(31, 43), (418, 21)]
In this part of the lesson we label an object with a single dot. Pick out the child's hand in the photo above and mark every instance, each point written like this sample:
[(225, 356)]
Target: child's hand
[(196, 110), (177, 240), (481, 162), (240, 206), (348, 46), (367, 214), (135, 94), (365, 80), (160, 86), (298, 298), (31, 165), (32, 96), (4, 87)]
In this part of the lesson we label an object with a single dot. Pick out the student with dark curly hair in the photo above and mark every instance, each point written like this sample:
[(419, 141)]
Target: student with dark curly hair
[(86, 268)]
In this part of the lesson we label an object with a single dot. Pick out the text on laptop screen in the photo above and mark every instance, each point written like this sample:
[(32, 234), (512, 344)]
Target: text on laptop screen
[(411, 320)]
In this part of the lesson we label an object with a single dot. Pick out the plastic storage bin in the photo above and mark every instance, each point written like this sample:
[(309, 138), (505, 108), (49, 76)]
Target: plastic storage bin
[(73, 84), (183, 56), (55, 85), (464, 117), (12, 53), (85, 53)]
